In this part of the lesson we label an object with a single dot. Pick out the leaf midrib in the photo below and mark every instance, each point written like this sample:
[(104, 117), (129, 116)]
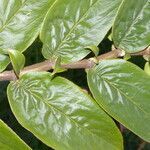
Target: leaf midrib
[(71, 29)]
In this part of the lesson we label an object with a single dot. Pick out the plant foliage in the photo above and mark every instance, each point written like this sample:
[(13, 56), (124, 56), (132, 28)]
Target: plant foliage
[(57, 111)]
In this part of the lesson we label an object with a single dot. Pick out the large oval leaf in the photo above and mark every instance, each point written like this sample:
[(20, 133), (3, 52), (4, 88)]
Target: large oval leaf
[(61, 115), (131, 30), (9, 140), (72, 25), (123, 90)]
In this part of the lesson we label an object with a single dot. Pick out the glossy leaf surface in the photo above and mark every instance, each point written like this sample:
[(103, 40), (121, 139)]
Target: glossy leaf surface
[(72, 25), (17, 60), (9, 140), (131, 30), (20, 22), (4, 61), (123, 90), (61, 115)]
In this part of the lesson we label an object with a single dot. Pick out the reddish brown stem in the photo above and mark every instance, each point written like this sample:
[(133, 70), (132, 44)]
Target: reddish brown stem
[(83, 64)]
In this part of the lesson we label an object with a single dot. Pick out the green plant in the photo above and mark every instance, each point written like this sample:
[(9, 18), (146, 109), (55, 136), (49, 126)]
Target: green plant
[(57, 111)]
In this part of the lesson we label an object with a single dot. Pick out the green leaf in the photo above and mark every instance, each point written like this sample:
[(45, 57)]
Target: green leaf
[(127, 56), (60, 114), (9, 140), (17, 60), (20, 22), (4, 61), (131, 30), (94, 49), (57, 67), (123, 91), (72, 25), (147, 68), (110, 37)]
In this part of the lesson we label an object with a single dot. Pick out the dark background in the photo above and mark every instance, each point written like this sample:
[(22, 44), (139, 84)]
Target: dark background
[(33, 55)]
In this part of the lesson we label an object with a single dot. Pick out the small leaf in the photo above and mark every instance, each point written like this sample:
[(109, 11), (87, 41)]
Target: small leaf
[(110, 37), (147, 68), (60, 114), (17, 60), (123, 91), (9, 140), (4, 61), (127, 56), (57, 67), (131, 29), (94, 49)]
